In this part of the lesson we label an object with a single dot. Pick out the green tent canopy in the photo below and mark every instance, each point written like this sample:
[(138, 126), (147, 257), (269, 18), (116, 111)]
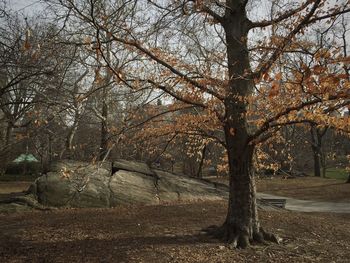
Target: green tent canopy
[(25, 158)]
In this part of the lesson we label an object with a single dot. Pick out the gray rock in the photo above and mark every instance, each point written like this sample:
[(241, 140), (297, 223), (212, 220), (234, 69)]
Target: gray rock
[(187, 188), (53, 190), (83, 168), (73, 184), (132, 187), (132, 166), (79, 184)]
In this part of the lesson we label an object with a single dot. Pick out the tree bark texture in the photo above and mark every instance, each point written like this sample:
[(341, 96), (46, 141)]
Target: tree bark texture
[(241, 226)]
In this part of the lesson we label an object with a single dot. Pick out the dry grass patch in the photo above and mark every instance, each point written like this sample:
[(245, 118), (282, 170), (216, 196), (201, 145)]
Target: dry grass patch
[(307, 188)]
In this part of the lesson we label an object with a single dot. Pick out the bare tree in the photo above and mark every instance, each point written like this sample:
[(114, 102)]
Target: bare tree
[(28, 67), (202, 53)]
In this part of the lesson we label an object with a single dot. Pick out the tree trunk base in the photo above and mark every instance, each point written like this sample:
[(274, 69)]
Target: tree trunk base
[(241, 239)]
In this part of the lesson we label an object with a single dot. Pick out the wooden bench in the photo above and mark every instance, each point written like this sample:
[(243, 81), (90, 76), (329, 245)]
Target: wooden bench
[(281, 203)]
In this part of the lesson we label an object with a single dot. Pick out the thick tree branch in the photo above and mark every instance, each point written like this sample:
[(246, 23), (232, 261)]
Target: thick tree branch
[(336, 13), (268, 64), (212, 13), (282, 17), (176, 96), (269, 122), (168, 66)]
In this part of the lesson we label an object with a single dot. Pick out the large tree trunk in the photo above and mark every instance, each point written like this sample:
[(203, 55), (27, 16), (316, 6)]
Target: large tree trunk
[(242, 224), (242, 221)]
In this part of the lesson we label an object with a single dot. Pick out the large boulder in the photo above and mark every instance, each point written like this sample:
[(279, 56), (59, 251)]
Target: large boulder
[(80, 184)]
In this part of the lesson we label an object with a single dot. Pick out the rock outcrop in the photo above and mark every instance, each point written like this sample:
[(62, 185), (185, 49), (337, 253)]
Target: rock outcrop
[(79, 184)]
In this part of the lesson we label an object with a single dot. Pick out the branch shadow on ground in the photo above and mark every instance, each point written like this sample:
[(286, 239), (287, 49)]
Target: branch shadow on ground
[(122, 249)]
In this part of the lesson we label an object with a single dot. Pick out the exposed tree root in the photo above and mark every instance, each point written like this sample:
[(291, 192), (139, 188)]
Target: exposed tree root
[(270, 237), (240, 239)]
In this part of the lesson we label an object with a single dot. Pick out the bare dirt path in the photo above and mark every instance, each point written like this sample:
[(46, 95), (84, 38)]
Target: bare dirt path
[(309, 205)]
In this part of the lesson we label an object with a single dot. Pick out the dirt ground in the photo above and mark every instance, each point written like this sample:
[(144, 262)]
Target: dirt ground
[(172, 233), (167, 233), (10, 187)]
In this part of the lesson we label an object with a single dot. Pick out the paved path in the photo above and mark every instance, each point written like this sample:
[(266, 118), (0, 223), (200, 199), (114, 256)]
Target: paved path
[(310, 206)]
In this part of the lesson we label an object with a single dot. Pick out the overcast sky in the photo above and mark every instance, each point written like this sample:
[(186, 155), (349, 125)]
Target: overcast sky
[(23, 6)]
